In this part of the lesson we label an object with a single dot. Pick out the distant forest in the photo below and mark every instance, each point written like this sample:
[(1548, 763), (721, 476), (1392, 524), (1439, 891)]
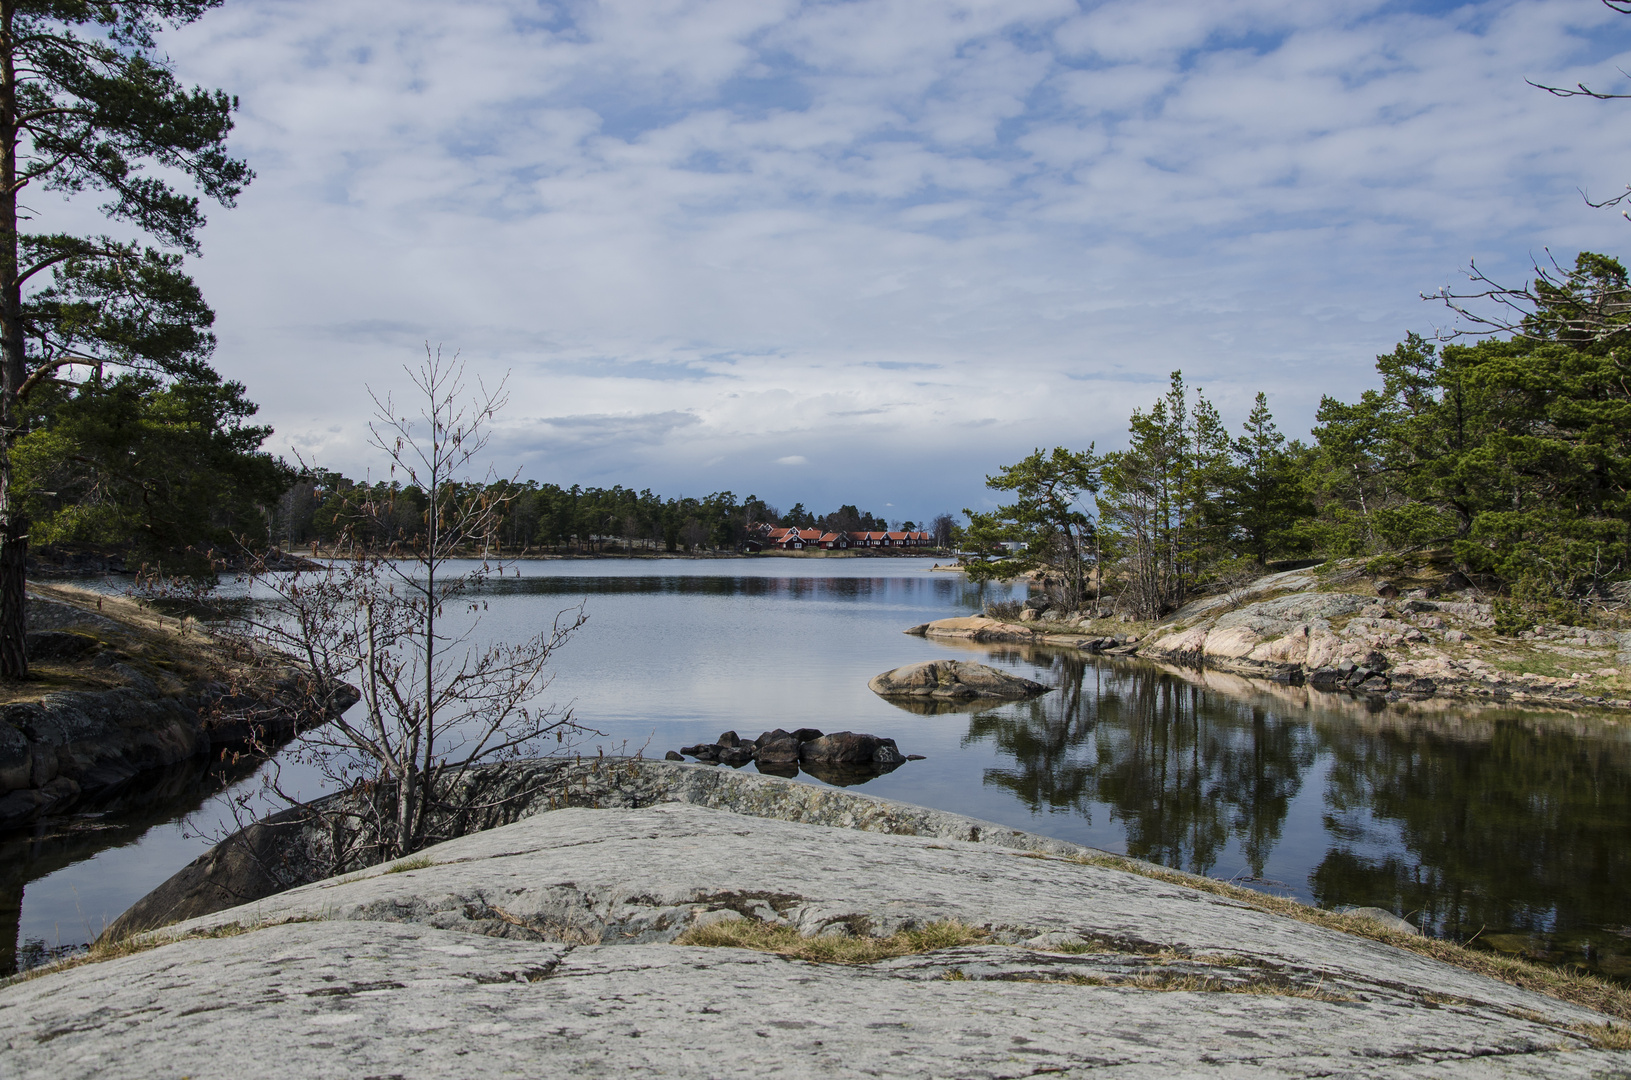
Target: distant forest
[(331, 509), (161, 469)]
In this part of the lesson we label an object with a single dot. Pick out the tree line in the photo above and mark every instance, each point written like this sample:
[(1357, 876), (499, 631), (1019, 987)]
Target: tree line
[(330, 509), (167, 469), (1510, 457)]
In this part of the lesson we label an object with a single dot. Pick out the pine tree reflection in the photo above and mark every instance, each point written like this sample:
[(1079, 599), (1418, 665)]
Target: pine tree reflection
[(1511, 828), (1185, 770)]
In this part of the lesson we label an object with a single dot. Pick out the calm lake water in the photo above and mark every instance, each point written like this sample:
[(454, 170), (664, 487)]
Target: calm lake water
[(1504, 826)]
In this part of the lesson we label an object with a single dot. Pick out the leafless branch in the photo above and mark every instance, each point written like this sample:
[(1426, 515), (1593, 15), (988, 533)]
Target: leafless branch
[(434, 701)]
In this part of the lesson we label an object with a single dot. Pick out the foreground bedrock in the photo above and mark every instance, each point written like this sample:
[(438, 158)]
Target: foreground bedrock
[(544, 948)]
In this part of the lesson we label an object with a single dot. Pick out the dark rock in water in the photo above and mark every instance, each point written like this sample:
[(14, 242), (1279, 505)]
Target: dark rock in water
[(255, 862), (915, 757), (1345, 669), (850, 748), (1376, 684), (780, 752), (777, 747), (673, 755), (1421, 687)]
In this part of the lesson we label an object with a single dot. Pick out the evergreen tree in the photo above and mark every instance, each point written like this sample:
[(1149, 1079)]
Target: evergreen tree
[(86, 103), (1163, 503), (1265, 498), (138, 461), (1047, 516)]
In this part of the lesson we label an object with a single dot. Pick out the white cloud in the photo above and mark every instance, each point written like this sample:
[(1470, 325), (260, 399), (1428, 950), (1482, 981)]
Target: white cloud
[(713, 236)]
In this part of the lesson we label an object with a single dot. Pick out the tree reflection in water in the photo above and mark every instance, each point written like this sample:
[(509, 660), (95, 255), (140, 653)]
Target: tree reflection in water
[(1184, 770), (1503, 824), (1515, 831)]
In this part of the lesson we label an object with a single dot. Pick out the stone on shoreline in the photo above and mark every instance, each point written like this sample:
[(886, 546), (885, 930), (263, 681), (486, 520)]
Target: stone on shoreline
[(849, 748)]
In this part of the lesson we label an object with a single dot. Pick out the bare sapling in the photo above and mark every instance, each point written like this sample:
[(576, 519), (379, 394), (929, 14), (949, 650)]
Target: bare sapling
[(401, 632)]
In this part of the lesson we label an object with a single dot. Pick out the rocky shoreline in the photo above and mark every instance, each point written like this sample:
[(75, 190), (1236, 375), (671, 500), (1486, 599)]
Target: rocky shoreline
[(672, 919), (1410, 646), (132, 707)]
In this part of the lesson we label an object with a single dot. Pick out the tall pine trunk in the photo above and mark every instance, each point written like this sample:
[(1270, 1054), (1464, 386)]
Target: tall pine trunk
[(13, 528)]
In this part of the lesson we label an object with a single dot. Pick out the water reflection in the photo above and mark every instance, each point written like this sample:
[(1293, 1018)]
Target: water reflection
[(1507, 825), (111, 821), (1514, 831), (1185, 773)]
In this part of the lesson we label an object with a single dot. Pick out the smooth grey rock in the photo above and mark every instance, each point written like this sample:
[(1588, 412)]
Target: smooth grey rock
[(1057, 940), (540, 949), (1284, 581), (954, 679), (41, 614), (293, 847), (1383, 916), (59, 644)]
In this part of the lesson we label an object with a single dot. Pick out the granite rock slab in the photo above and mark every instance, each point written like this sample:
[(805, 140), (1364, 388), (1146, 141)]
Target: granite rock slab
[(545, 947)]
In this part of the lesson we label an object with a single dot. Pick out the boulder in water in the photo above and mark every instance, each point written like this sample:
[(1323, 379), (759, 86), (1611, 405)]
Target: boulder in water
[(955, 679)]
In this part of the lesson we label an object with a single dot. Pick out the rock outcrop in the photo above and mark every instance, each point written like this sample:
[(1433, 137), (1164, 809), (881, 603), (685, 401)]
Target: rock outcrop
[(974, 628), (954, 679), (78, 744), (307, 844), (549, 947)]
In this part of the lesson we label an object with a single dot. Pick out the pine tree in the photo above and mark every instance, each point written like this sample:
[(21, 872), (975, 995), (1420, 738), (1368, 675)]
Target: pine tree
[(1266, 497), (86, 103)]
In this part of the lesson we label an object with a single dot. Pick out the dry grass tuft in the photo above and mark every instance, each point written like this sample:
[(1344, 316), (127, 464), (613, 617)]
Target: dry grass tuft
[(1185, 982), (130, 946), (788, 942), (418, 862), (1605, 1036), (1574, 987)]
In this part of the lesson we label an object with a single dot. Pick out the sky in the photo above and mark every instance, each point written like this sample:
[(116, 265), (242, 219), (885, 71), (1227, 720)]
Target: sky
[(868, 251)]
